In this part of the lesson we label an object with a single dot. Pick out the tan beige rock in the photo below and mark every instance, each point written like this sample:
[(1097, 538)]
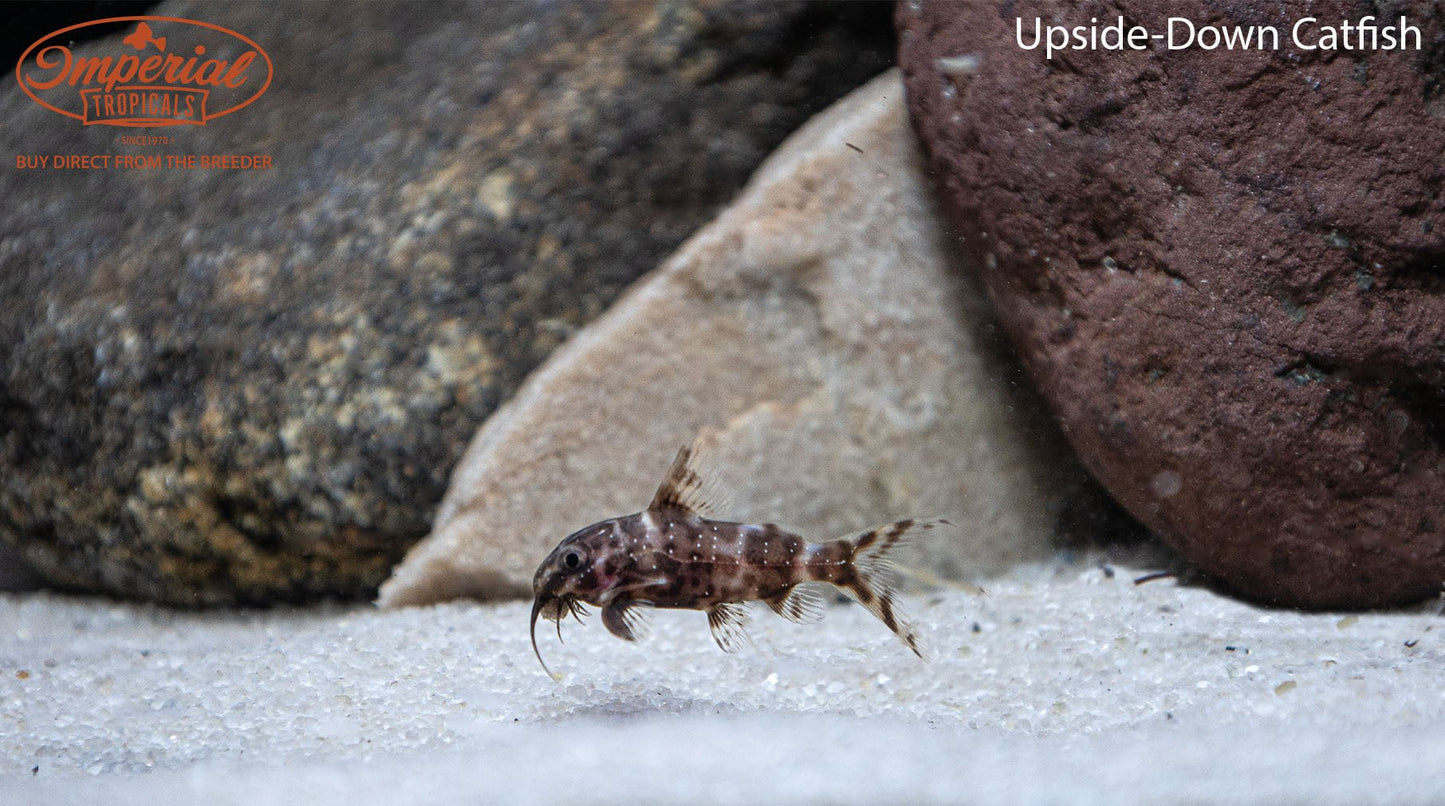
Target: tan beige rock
[(821, 326)]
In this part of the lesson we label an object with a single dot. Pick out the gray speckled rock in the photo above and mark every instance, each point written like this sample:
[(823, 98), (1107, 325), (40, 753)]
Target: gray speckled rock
[(251, 387)]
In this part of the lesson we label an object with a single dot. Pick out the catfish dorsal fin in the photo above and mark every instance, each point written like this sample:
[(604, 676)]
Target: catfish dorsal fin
[(683, 489)]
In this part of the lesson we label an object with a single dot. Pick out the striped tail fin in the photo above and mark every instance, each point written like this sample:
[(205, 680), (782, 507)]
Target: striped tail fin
[(874, 580)]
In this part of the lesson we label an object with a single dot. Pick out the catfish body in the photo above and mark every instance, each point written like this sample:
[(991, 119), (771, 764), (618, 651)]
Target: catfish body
[(671, 556)]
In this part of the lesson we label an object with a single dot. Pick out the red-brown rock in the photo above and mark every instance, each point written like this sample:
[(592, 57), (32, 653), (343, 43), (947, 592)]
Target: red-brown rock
[(1225, 269)]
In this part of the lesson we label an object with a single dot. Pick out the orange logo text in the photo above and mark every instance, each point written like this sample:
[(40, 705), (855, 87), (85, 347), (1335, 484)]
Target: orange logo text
[(167, 71)]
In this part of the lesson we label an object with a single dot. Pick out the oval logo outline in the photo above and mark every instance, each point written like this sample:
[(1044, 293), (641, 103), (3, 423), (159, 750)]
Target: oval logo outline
[(270, 68)]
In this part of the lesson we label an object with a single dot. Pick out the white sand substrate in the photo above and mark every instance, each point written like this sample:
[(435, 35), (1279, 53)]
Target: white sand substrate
[(1063, 683)]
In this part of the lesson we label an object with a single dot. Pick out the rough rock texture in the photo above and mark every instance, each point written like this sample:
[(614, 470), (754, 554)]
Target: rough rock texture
[(1226, 272), (821, 330), (225, 386)]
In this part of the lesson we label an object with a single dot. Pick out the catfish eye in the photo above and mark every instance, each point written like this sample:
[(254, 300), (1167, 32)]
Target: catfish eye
[(572, 560)]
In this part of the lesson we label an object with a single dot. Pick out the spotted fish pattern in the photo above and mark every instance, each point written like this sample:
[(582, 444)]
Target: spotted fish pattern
[(671, 555)]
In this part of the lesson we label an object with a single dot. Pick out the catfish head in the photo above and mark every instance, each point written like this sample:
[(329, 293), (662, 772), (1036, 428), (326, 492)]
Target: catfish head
[(567, 578)]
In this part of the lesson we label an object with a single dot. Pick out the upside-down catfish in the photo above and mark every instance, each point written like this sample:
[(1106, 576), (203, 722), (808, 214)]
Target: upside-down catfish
[(671, 556)]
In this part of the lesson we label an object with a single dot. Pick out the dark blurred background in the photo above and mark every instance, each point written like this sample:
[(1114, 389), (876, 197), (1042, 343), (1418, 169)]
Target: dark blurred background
[(26, 22)]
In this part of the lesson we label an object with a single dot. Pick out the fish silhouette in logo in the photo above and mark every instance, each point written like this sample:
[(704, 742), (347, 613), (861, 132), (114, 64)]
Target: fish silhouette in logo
[(143, 37)]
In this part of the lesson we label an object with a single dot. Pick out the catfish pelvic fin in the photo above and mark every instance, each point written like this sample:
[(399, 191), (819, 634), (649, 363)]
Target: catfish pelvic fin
[(729, 624)]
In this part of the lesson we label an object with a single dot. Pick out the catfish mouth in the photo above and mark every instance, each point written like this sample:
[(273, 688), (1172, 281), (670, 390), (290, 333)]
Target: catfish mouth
[(553, 608)]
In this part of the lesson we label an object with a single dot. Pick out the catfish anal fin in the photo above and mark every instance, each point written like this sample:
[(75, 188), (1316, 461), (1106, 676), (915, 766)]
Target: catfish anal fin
[(802, 604), (729, 622)]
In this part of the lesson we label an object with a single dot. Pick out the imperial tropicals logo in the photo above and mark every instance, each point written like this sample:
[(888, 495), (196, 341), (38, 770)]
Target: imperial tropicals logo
[(166, 71)]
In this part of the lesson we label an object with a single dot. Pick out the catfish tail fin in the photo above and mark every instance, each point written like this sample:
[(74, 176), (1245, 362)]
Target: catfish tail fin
[(874, 580)]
